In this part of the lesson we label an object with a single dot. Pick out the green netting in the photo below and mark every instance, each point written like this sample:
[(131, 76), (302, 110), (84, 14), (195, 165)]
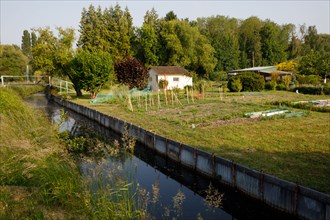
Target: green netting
[(101, 98)]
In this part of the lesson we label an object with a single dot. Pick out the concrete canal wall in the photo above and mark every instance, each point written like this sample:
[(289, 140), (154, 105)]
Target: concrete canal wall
[(283, 195)]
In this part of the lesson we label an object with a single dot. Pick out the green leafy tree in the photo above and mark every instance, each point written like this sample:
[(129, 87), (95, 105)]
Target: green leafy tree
[(110, 30), (250, 45), (183, 45), (132, 73), (222, 32), (12, 61), (43, 52), (170, 16), (148, 39), (92, 69), (33, 39), (272, 50), (26, 43), (315, 63)]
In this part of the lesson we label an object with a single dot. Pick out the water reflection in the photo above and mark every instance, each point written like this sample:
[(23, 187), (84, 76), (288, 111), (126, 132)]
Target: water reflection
[(163, 188)]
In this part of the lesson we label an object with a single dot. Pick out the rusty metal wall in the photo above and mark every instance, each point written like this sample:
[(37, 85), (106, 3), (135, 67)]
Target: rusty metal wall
[(284, 195)]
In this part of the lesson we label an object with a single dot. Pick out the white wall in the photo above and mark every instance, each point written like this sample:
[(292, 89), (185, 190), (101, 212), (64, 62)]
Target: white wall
[(183, 81)]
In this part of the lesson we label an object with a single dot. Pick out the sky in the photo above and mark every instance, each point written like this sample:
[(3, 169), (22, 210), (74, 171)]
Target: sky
[(20, 15)]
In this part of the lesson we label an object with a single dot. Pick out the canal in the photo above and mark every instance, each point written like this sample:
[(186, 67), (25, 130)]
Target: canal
[(171, 191)]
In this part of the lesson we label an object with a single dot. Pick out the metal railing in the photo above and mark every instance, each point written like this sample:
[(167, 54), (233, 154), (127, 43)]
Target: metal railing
[(63, 85)]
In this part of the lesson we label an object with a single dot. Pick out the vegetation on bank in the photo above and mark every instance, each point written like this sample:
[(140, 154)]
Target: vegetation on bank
[(295, 149), (38, 177)]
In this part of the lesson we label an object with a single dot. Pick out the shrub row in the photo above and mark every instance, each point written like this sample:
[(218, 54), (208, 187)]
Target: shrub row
[(247, 82), (313, 90)]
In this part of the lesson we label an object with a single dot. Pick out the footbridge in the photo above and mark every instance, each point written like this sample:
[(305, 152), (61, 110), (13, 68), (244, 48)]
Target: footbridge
[(64, 86)]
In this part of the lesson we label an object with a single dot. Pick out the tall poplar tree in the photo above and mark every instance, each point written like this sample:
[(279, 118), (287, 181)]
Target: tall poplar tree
[(250, 45), (148, 39), (26, 43), (33, 39), (272, 50)]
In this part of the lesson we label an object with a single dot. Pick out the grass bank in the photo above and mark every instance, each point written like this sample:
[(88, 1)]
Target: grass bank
[(296, 149), (38, 177)]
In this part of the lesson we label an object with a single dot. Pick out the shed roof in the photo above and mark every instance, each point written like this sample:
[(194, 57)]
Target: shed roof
[(169, 70), (261, 69)]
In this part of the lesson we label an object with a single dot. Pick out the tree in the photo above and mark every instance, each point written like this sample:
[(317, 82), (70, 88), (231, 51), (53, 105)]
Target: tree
[(26, 43), (170, 16), (183, 45), (315, 63), (272, 50), (43, 52), (91, 69), (110, 30), (33, 39), (222, 32), (250, 45), (12, 61), (148, 39), (131, 72)]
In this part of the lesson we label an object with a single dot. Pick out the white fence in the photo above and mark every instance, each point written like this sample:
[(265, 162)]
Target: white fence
[(63, 85)]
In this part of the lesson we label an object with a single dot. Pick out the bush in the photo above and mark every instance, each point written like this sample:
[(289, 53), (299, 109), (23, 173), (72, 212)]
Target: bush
[(235, 85), (218, 76), (308, 79), (250, 82), (280, 86), (313, 90), (162, 83), (271, 85)]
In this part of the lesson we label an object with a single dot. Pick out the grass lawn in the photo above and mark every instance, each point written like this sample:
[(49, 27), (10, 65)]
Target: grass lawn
[(295, 149)]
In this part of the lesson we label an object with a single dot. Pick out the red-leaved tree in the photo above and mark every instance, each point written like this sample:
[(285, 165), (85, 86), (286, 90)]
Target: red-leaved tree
[(132, 73)]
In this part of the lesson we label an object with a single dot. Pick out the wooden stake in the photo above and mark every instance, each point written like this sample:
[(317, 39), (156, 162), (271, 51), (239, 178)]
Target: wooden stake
[(172, 97), (130, 106), (187, 92), (165, 96), (158, 99)]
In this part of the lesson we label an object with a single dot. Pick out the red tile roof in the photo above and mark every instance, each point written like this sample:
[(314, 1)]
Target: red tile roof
[(170, 70)]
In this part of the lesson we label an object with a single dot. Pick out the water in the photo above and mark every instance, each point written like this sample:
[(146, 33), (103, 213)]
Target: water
[(175, 183)]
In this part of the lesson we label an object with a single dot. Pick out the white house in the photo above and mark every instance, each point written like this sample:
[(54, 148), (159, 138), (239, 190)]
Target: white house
[(176, 76)]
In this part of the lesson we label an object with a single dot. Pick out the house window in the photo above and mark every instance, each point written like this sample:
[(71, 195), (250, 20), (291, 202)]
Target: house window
[(175, 79)]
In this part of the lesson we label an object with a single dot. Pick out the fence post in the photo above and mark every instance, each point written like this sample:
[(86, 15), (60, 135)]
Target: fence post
[(49, 80), (2, 81)]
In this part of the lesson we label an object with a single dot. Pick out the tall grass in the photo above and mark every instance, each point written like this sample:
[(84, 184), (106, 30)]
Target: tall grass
[(38, 177)]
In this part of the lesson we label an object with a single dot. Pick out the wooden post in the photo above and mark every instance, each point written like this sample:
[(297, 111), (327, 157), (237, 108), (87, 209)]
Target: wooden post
[(172, 97), (187, 92), (165, 96)]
